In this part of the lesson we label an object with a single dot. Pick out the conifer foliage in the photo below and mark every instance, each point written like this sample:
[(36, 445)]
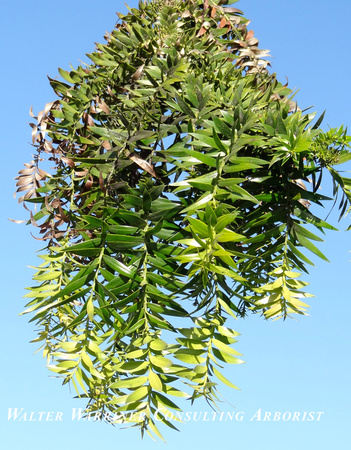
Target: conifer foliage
[(181, 197)]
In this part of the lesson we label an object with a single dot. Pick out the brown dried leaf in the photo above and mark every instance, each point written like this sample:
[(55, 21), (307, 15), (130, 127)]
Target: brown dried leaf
[(106, 145), (48, 235), (59, 221), (47, 204), (43, 127), (249, 35), (232, 10), (33, 222), (38, 177), (45, 226), (50, 106), (293, 107), (137, 74), (143, 164), (55, 203), (305, 203), (43, 173), (63, 215), (201, 32), (213, 12), (29, 194), (38, 239), (43, 114), (122, 90), (301, 184), (111, 93), (102, 105), (253, 41), (24, 185), (275, 97), (48, 147), (40, 117), (34, 131), (68, 161), (36, 184), (81, 173), (88, 184), (24, 179), (222, 23), (101, 183), (88, 120), (186, 13), (31, 112), (58, 234), (17, 221), (26, 171), (24, 205), (235, 20)]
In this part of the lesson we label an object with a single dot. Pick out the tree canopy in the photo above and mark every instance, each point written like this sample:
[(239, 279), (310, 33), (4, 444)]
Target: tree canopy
[(181, 197)]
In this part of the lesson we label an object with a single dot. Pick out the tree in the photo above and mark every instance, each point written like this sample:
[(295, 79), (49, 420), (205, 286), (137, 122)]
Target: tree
[(182, 195)]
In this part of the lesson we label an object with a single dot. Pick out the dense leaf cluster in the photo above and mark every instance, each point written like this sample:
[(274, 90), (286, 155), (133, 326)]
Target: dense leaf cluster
[(181, 195)]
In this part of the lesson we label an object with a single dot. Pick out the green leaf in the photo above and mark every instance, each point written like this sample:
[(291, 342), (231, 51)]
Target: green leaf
[(184, 107), (201, 202), (308, 244), (71, 287), (224, 347), (90, 309), (86, 248), (223, 378), (129, 383), (122, 269), (224, 220), (226, 357), (238, 191), (132, 366), (160, 361), (165, 401), (123, 242), (158, 344), (198, 226), (155, 429), (79, 377), (229, 236), (155, 381), (222, 127), (310, 218), (227, 272), (135, 326), (202, 157), (139, 394), (299, 254), (190, 357), (66, 76), (306, 233)]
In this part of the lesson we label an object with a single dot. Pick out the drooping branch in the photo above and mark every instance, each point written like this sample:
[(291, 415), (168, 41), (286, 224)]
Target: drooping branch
[(179, 198)]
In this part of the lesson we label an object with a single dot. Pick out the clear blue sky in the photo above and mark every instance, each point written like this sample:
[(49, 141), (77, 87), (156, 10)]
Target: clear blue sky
[(291, 367)]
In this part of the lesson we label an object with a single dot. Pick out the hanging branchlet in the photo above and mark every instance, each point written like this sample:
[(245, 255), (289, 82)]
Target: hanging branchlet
[(174, 183)]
